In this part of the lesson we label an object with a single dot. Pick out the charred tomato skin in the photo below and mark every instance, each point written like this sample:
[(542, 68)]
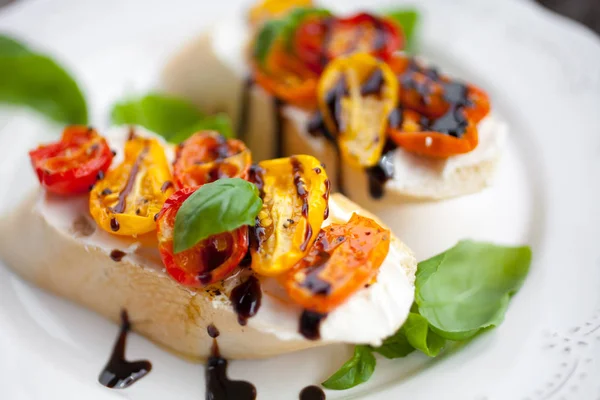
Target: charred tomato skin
[(207, 156), (73, 164)]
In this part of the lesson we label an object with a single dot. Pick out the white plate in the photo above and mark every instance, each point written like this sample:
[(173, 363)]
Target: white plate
[(544, 76)]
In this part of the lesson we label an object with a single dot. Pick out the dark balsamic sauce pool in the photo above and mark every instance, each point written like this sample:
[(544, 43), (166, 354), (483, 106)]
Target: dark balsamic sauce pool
[(218, 385), (118, 372), (117, 255), (312, 393), (246, 298), (310, 324)]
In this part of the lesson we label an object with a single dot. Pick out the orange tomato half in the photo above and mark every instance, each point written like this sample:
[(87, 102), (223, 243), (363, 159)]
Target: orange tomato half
[(344, 258)]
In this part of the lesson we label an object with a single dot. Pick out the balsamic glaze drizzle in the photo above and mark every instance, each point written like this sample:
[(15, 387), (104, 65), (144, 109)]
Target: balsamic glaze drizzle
[(257, 233), (453, 123), (278, 120), (213, 332), (325, 43), (120, 207), (373, 83), (246, 298), (395, 118), (382, 172), (117, 255), (313, 281), (312, 393), (326, 197), (114, 224), (218, 385), (213, 257), (316, 127), (455, 93), (298, 172), (118, 372), (310, 324), (166, 186), (244, 111)]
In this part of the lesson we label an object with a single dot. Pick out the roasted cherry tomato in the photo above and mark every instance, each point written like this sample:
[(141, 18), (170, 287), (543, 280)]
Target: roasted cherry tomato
[(209, 261), (424, 90), (344, 258), (319, 40), (126, 201), (451, 134), (73, 164), (266, 10), (208, 156), (295, 194), (286, 78), (356, 94)]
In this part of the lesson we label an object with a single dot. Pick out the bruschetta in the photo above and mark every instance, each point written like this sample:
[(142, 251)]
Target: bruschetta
[(388, 126), (311, 269)]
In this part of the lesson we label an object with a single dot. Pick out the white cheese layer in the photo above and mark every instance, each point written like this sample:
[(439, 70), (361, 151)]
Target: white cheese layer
[(369, 316), (412, 171)]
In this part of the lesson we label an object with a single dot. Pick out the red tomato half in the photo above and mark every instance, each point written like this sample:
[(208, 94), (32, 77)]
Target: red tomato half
[(319, 40), (208, 156), (209, 261), (73, 164)]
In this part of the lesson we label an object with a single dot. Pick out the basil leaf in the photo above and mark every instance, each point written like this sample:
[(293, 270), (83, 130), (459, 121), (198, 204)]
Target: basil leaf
[(219, 122), (214, 208), (355, 371), (421, 336), (408, 20), (293, 21), (414, 334), (11, 47), (468, 287), (266, 38), (36, 81), (455, 336), (396, 346), (165, 115)]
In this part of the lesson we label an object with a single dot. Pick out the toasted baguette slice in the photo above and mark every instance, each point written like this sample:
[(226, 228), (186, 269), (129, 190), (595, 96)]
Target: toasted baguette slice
[(53, 243), (211, 71)]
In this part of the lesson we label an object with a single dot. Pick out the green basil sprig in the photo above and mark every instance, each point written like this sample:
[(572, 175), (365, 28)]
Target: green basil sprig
[(355, 371), (468, 287), (171, 117), (293, 21), (11, 47), (266, 38), (217, 207), (458, 294), (282, 29), (36, 81), (219, 122), (408, 20), (414, 334)]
